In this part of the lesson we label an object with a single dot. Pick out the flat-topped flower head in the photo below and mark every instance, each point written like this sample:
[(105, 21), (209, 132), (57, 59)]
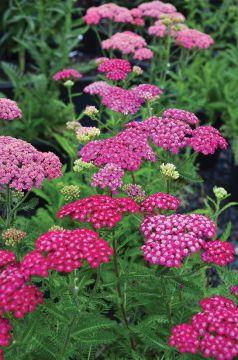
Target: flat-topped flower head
[(171, 238), (13, 236), (110, 176), (155, 8), (191, 38), (101, 211), (182, 115), (110, 11), (212, 332), (128, 42), (206, 140), (87, 133), (91, 111), (34, 264), (218, 252), (66, 250), (169, 170), (115, 69), (147, 91), (159, 201), (6, 257), (100, 88), (67, 74), (9, 110), (70, 192), (22, 166)]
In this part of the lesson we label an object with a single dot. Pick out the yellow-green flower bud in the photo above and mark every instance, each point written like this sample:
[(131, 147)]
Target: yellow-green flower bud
[(169, 170), (70, 192), (220, 192), (68, 83)]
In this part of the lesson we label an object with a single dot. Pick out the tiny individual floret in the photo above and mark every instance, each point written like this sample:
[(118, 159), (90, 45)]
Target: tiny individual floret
[(109, 176), (81, 166), (70, 192), (234, 290), (67, 74), (100, 210), (220, 193), (137, 70), (169, 170), (85, 134), (13, 236), (91, 111), (9, 110), (218, 252), (159, 201)]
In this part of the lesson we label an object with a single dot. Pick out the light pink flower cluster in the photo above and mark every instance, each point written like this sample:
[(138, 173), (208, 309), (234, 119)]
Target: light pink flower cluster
[(207, 139), (100, 88), (234, 290), (155, 9), (171, 238), (9, 110), (213, 332), (159, 201), (109, 176), (191, 38), (109, 11), (22, 166), (158, 29), (128, 42), (218, 252), (147, 91), (101, 211), (181, 115), (122, 100), (115, 69), (127, 150), (67, 74), (67, 249)]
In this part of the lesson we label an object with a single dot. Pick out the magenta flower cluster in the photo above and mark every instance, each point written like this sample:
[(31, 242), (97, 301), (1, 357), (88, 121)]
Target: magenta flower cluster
[(22, 166), (213, 332), (115, 69), (66, 74), (9, 110), (109, 176), (159, 201), (99, 210)]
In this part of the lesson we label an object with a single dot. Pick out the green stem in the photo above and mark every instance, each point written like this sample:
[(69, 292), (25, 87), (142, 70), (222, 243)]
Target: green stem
[(8, 207)]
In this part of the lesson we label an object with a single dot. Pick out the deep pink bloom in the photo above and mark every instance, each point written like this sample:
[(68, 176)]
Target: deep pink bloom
[(115, 69), (67, 249), (9, 110), (218, 252), (234, 290), (170, 238), (159, 201), (182, 115), (34, 263), (22, 166), (109, 176), (109, 11), (207, 139), (213, 331), (67, 74), (127, 150), (6, 257), (5, 328), (191, 38), (101, 211), (147, 91), (138, 21)]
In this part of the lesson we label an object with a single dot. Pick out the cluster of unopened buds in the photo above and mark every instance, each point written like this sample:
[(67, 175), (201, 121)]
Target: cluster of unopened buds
[(13, 236), (70, 192), (135, 191), (169, 171), (213, 332), (81, 166), (86, 133), (91, 111)]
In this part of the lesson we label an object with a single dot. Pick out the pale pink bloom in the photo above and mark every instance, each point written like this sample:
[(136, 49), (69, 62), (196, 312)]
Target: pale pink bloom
[(109, 11), (9, 110), (109, 176), (191, 38), (143, 54), (147, 91)]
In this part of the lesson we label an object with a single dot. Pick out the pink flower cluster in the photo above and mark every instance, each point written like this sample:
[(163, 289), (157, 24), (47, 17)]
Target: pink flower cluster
[(109, 11), (234, 290), (207, 139), (181, 115), (134, 190), (101, 211), (170, 238), (67, 74), (159, 201), (123, 100), (191, 38), (128, 42), (22, 166), (218, 252), (115, 69), (109, 176), (213, 332), (127, 150), (5, 328), (68, 248), (9, 110), (6, 257), (155, 9)]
